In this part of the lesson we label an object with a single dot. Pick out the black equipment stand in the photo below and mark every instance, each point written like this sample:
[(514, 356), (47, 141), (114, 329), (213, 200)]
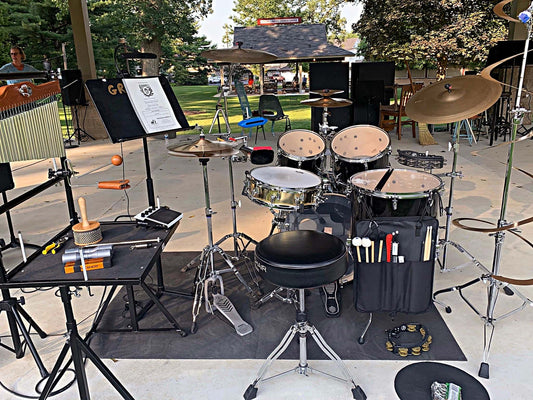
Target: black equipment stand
[(78, 347), (14, 242), (79, 132), (15, 313)]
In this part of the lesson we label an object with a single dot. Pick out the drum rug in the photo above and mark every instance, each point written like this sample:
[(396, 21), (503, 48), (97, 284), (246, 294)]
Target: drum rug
[(217, 339)]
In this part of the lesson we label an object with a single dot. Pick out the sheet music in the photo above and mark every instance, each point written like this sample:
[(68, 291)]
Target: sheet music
[(151, 104)]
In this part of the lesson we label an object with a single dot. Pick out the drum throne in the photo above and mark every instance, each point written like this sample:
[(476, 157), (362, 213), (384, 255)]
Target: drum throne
[(301, 260)]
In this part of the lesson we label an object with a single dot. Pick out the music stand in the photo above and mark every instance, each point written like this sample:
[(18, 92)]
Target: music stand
[(122, 124)]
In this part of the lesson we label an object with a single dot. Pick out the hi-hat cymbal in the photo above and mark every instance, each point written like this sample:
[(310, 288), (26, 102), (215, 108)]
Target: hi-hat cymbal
[(453, 99), (329, 102), (327, 92), (237, 55), (202, 148)]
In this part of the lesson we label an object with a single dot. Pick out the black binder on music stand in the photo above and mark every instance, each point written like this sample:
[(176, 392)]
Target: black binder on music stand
[(117, 113)]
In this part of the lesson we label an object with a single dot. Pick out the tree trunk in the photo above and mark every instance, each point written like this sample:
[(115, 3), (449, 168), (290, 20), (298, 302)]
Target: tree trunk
[(442, 64), (151, 66)]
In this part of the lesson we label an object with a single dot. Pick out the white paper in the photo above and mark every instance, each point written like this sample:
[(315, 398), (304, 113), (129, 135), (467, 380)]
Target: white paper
[(151, 104)]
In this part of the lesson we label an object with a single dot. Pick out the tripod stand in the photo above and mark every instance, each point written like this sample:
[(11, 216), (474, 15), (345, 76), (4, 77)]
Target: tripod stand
[(221, 110), (78, 347), (15, 313)]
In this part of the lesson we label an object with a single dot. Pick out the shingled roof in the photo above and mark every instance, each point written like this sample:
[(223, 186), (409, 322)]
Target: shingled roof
[(291, 42)]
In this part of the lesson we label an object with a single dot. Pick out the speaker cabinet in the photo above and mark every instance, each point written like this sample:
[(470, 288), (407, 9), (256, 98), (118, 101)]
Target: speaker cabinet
[(334, 76), (72, 88), (6, 177), (372, 84)]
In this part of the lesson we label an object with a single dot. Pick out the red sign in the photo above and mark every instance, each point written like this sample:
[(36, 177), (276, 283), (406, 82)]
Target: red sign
[(279, 21)]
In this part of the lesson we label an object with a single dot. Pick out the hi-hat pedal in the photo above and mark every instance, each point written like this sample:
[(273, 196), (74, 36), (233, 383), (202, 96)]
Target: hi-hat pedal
[(159, 217)]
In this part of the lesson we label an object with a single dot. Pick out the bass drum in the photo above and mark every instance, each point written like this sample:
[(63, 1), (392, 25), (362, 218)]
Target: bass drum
[(282, 188), (301, 149), (359, 148), (395, 193)]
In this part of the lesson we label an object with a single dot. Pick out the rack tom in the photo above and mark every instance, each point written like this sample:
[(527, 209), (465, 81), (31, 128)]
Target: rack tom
[(359, 148), (395, 193), (282, 188), (301, 149)]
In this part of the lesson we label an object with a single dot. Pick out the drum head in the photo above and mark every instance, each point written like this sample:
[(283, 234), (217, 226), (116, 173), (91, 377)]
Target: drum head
[(286, 177), (301, 144), (402, 183), (360, 143)]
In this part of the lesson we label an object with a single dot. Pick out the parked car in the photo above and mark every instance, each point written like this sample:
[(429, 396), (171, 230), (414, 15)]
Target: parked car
[(213, 80)]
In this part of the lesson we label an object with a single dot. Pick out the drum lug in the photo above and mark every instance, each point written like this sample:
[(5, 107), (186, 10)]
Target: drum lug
[(394, 204)]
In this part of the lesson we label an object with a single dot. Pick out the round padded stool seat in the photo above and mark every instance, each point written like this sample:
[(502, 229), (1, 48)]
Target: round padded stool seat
[(301, 259), (414, 381)]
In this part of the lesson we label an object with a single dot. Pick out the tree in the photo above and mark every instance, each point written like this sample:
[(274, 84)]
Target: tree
[(431, 31), (311, 11), (39, 26), (148, 24)]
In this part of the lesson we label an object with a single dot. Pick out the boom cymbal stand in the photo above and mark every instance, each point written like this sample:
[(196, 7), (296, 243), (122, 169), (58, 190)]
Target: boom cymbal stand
[(494, 285)]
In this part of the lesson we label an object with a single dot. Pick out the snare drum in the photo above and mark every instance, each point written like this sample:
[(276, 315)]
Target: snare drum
[(282, 188), (405, 193), (301, 149), (359, 148)]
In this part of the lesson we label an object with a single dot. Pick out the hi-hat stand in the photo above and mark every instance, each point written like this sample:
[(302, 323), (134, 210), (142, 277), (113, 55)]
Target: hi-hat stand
[(494, 285), (208, 281)]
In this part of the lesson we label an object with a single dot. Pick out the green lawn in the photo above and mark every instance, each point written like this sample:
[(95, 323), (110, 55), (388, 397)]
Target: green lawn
[(199, 102)]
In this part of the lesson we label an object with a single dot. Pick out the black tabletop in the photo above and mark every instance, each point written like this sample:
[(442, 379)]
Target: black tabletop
[(127, 266)]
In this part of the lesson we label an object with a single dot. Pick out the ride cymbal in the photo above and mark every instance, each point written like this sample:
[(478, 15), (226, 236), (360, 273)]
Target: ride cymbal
[(202, 148), (237, 55), (329, 102), (327, 92), (453, 99)]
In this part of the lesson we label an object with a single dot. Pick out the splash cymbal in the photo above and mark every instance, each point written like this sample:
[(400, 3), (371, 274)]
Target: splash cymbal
[(327, 92), (237, 55), (453, 99), (202, 148), (329, 102)]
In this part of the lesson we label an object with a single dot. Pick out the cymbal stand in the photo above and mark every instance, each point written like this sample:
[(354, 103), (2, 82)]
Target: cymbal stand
[(206, 274), (495, 285), (449, 210)]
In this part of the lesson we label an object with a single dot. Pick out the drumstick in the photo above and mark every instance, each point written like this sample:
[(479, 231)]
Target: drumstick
[(372, 251), (380, 247), (427, 243), (357, 242)]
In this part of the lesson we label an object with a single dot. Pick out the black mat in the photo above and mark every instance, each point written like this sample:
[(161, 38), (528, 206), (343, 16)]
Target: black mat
[(216, 339)]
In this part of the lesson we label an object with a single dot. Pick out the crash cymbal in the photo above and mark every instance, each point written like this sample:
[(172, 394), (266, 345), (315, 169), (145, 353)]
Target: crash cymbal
[(202, 148), (453, 99), (329, 102), (327, 92), (237, 55)]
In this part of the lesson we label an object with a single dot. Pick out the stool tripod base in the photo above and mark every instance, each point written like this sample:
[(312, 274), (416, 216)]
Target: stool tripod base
[(303, 328)]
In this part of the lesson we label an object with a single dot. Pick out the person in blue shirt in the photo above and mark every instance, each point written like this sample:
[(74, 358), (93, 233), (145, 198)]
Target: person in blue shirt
[(17, 65)]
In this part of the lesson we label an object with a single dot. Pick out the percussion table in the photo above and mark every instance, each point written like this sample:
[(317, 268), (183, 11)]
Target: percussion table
[(129, 268)]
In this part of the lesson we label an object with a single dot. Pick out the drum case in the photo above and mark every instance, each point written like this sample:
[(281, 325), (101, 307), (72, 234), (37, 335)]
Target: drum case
[(392, 286)]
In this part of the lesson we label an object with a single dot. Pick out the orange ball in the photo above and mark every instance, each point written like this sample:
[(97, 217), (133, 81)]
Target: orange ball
[(116, 160)]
